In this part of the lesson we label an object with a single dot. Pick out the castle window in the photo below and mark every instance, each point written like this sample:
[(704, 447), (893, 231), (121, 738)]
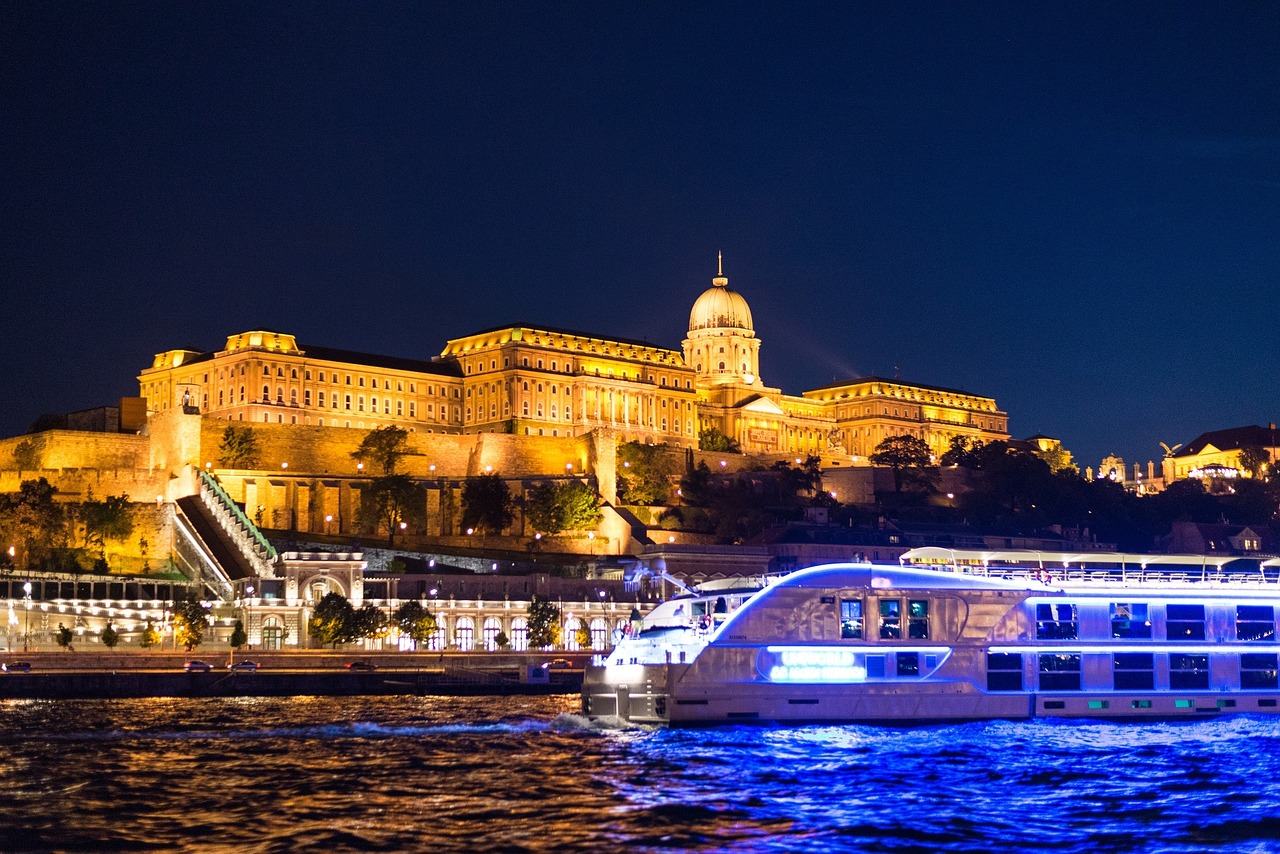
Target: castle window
[(524, 409), (399, 407), (493, 410), (293, 373), (413, 388), (280, 395), (373, 404), (361, 381), (219, 397), (306, 374), (242, 394), (553, 366), (360, 403), (266, 371), (722, 366), (321, 399), (348, 379), (553, 410), (348, 403), (321, 376), (280, 373), (266, 394), (293, 396), (413, 409), (493, 364), (399, 386)]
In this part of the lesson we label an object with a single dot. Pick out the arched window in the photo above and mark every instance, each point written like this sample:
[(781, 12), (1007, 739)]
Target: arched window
[(519, 634), (464, 634), (266, 393), (492, 626), (571, 634), (599, 633), (272, 634)]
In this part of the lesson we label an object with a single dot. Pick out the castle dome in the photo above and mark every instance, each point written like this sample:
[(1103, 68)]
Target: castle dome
[(719, 307)]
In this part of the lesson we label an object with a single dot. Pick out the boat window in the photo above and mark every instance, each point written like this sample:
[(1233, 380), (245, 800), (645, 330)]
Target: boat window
[(1004, 671), (1255, 623), (891, 618), (1258, 670), (875, 666), (1130, 620), (1060, 672), (1134, 671), (1056, 621), (1184, 622), (1188, 671), (851, 618), (908, 664), (918, 619)]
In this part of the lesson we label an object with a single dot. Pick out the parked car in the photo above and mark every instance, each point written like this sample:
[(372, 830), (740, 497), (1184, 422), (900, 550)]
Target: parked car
[(361, 665), (557, 664), (16, 667), (246, 666), (197, 666)]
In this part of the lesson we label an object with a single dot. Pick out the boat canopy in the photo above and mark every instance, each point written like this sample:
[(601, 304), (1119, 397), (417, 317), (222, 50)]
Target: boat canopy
[(1051, 560)]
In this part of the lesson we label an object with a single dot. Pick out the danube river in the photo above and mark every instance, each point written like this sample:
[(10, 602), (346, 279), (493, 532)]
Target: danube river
[(527, 774)]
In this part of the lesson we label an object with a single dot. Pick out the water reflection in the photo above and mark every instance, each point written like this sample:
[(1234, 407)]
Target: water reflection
[(501, 774)]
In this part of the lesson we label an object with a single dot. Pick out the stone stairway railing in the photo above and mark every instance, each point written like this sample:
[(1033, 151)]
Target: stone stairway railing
[(255, 548)]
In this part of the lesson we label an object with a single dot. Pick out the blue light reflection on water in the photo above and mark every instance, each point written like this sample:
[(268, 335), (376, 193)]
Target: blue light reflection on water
[(512, 774)]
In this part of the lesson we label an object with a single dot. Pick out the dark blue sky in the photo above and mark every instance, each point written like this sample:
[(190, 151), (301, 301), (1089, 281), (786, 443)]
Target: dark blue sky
[(1072, 207)]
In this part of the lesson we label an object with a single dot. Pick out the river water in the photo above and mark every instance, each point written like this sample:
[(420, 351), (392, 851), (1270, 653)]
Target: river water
[(529, 774)]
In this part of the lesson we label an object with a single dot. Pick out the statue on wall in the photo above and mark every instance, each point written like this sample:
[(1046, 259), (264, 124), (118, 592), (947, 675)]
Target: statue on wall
[(835, 441)]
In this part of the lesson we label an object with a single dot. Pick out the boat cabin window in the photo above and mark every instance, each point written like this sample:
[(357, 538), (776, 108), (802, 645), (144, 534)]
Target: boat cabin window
[(918, 619), (1258, 670), (850, 618), (1130, 620), (1134, 671), (1255, 623), (891, 619), (1184, 622), (908, 663), (1004, 671), (917, 614), (1057, 621), (1188, 671), (1060, 672)]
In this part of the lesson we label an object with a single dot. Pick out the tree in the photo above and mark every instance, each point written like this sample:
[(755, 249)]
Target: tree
[(1253, 458), (239, 448), (190, 619), (239, 637), (26, 456), (391, 500), (908, 457), (555, 507), (108, 519), (150, 637), (711, 439), (486, 504), (65, 636), (543, 623), (962, 453), (368, 622), (383, 447), (583, 633), (645, 473), (414, 621), (501, 640), (333, 620), (31, 519), (110, 637)]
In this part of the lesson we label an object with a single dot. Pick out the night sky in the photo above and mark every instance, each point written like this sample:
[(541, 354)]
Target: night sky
[(1071, 207)]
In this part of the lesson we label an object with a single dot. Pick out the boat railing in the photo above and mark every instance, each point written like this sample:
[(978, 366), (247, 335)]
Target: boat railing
[(1126, 576)]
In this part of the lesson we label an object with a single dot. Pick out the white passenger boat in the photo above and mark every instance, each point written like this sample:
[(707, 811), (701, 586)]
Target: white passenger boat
[(1114, 636)]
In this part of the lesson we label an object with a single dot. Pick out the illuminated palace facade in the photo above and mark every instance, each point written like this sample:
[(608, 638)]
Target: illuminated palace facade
[(537, 380)]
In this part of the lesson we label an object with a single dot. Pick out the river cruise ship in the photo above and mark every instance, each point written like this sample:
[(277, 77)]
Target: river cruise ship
[(956, 636)]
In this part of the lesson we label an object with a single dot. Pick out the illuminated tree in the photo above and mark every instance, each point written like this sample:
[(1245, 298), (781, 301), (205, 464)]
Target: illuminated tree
[(368, 622), (711, 439), (238, 448), (645, 473), (414, 621), (31, 519), (908, 458), (556, 507), (190, 619), (333, 620), (391, 500), (583, 634), (64, 638), (543, 623), (108, 519), (1253, 458), (110, 637), (383, 447), (150, 637)]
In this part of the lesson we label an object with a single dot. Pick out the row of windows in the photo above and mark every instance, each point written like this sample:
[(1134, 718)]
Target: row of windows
[(893, 617), (1131, 671), (1132, 620)]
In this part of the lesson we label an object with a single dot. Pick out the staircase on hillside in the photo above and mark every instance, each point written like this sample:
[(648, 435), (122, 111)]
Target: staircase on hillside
[(217, 543)]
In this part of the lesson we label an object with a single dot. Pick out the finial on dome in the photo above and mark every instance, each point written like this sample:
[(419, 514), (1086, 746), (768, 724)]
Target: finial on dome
[(720, 281)]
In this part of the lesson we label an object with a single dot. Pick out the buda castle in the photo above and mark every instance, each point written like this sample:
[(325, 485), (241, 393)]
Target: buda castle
[(537, 380)]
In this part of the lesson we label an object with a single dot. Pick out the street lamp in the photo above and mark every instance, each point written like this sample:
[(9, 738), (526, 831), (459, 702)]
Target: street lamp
[(26, 597), (248, 611), (470, 531), (328, 519)]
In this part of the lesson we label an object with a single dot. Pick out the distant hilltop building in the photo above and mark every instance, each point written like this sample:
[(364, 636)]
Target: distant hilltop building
[(537, 380), (1231, 453)]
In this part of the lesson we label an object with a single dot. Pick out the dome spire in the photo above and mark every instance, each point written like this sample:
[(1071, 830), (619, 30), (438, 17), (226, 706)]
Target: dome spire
[(720, 281)]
